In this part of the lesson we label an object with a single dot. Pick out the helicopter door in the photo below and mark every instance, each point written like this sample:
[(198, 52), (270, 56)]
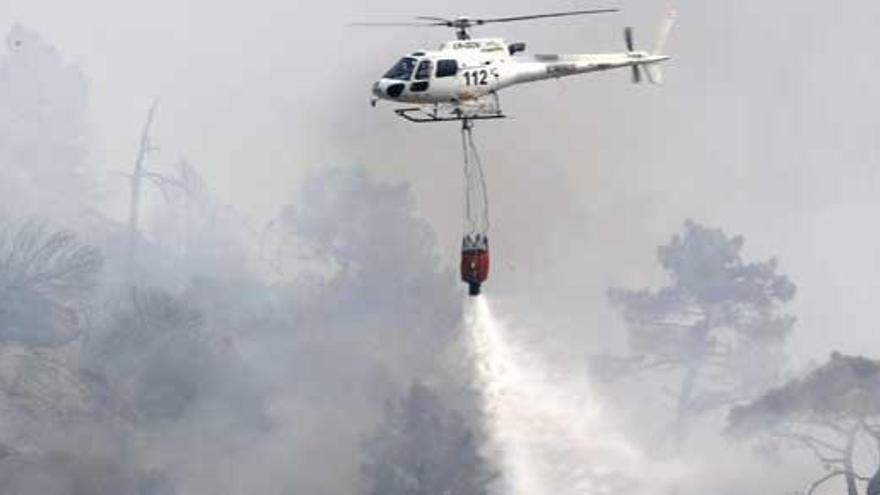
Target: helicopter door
[(423, 74)]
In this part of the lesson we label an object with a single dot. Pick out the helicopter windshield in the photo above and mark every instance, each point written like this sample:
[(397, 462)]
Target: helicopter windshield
[(403, 70)]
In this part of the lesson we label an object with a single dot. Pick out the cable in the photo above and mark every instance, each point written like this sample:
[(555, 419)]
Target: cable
[(469, 219), (482, 178)]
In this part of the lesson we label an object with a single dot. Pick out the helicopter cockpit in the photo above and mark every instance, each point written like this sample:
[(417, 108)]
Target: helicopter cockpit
[(403, 70), (420, 68)]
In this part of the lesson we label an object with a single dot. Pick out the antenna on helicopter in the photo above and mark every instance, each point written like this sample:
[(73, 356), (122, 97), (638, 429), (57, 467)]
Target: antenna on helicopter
[(462, 25)]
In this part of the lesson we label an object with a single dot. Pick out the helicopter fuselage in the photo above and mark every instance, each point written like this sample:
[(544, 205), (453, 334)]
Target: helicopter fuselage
[(465, 70)]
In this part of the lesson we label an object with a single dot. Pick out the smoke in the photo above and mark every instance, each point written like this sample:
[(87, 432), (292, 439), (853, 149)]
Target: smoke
[(205, 376), (289, 371), (43, 101)]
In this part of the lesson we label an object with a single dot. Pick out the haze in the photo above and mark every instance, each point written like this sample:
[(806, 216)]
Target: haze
[(766, 126)]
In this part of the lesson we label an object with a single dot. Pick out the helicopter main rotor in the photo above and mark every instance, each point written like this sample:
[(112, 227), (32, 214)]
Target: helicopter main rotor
[(462, 25)]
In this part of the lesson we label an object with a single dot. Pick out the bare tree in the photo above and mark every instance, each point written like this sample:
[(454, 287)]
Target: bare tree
[(136, 178), (828, 412), (718, 322)]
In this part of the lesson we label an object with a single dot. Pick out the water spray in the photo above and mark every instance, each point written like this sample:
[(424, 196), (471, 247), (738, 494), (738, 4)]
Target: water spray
[(546, 429)]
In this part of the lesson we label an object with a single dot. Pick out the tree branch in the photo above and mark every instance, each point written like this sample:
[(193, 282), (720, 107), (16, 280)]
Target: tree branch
[(840, 472), (816, 484), (816, 445)]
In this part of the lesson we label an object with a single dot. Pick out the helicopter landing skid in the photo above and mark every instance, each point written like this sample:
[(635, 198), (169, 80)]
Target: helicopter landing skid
[(482, 109), (422, 116)]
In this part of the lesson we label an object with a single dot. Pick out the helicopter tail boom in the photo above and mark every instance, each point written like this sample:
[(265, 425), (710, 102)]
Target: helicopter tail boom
[(642, 63), (543, 67)]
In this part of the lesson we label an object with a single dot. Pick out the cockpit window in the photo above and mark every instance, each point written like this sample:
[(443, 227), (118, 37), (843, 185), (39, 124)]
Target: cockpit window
[(424, 70), (447, 68), (403, 70)]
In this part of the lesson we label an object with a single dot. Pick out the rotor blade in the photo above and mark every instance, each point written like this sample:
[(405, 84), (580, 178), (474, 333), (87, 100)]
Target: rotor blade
[(544, 16), (431, 18), (665, 31), (395, 24), (637, 74), (628, 36)]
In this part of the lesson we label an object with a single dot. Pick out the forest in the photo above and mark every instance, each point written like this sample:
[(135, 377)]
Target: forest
[(182, 346)]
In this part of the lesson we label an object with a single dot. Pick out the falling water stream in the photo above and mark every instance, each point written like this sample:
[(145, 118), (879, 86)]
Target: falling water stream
[(546, 430)]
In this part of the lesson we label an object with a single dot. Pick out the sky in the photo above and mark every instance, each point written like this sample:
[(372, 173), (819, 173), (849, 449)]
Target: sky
[(766, 126)]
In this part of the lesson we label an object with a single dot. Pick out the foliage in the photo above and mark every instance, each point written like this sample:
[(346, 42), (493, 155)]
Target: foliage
[(156, 355), (423, 449), (846, 389), (66, 473), (43, 275), (53, 264), (719, 319), (377, 260), (828, 411), (363, 226)]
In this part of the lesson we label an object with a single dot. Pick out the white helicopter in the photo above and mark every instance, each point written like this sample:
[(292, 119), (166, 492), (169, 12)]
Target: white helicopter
[(461, 79)]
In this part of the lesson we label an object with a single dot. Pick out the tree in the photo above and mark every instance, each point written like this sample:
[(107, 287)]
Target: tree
[(43, 276), (194, 227), (368, 231), (423, 449), (76, 472), (134, 206), (718, 322), (377, 259), (156, 355), (874, 484), (828, 412)]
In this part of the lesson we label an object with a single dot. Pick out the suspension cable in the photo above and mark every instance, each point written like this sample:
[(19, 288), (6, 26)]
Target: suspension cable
[(469, 218), (482, 178)]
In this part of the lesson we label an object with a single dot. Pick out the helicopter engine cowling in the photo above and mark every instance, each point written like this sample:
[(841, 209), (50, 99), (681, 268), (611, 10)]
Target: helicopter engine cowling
[(515, 48)]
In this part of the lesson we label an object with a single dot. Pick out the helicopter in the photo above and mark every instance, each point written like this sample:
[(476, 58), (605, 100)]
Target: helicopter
[(460, 80)]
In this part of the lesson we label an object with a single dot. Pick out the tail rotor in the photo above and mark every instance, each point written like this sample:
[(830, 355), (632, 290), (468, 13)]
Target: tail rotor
[(664, 32), (631, 50), (649, 65)]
